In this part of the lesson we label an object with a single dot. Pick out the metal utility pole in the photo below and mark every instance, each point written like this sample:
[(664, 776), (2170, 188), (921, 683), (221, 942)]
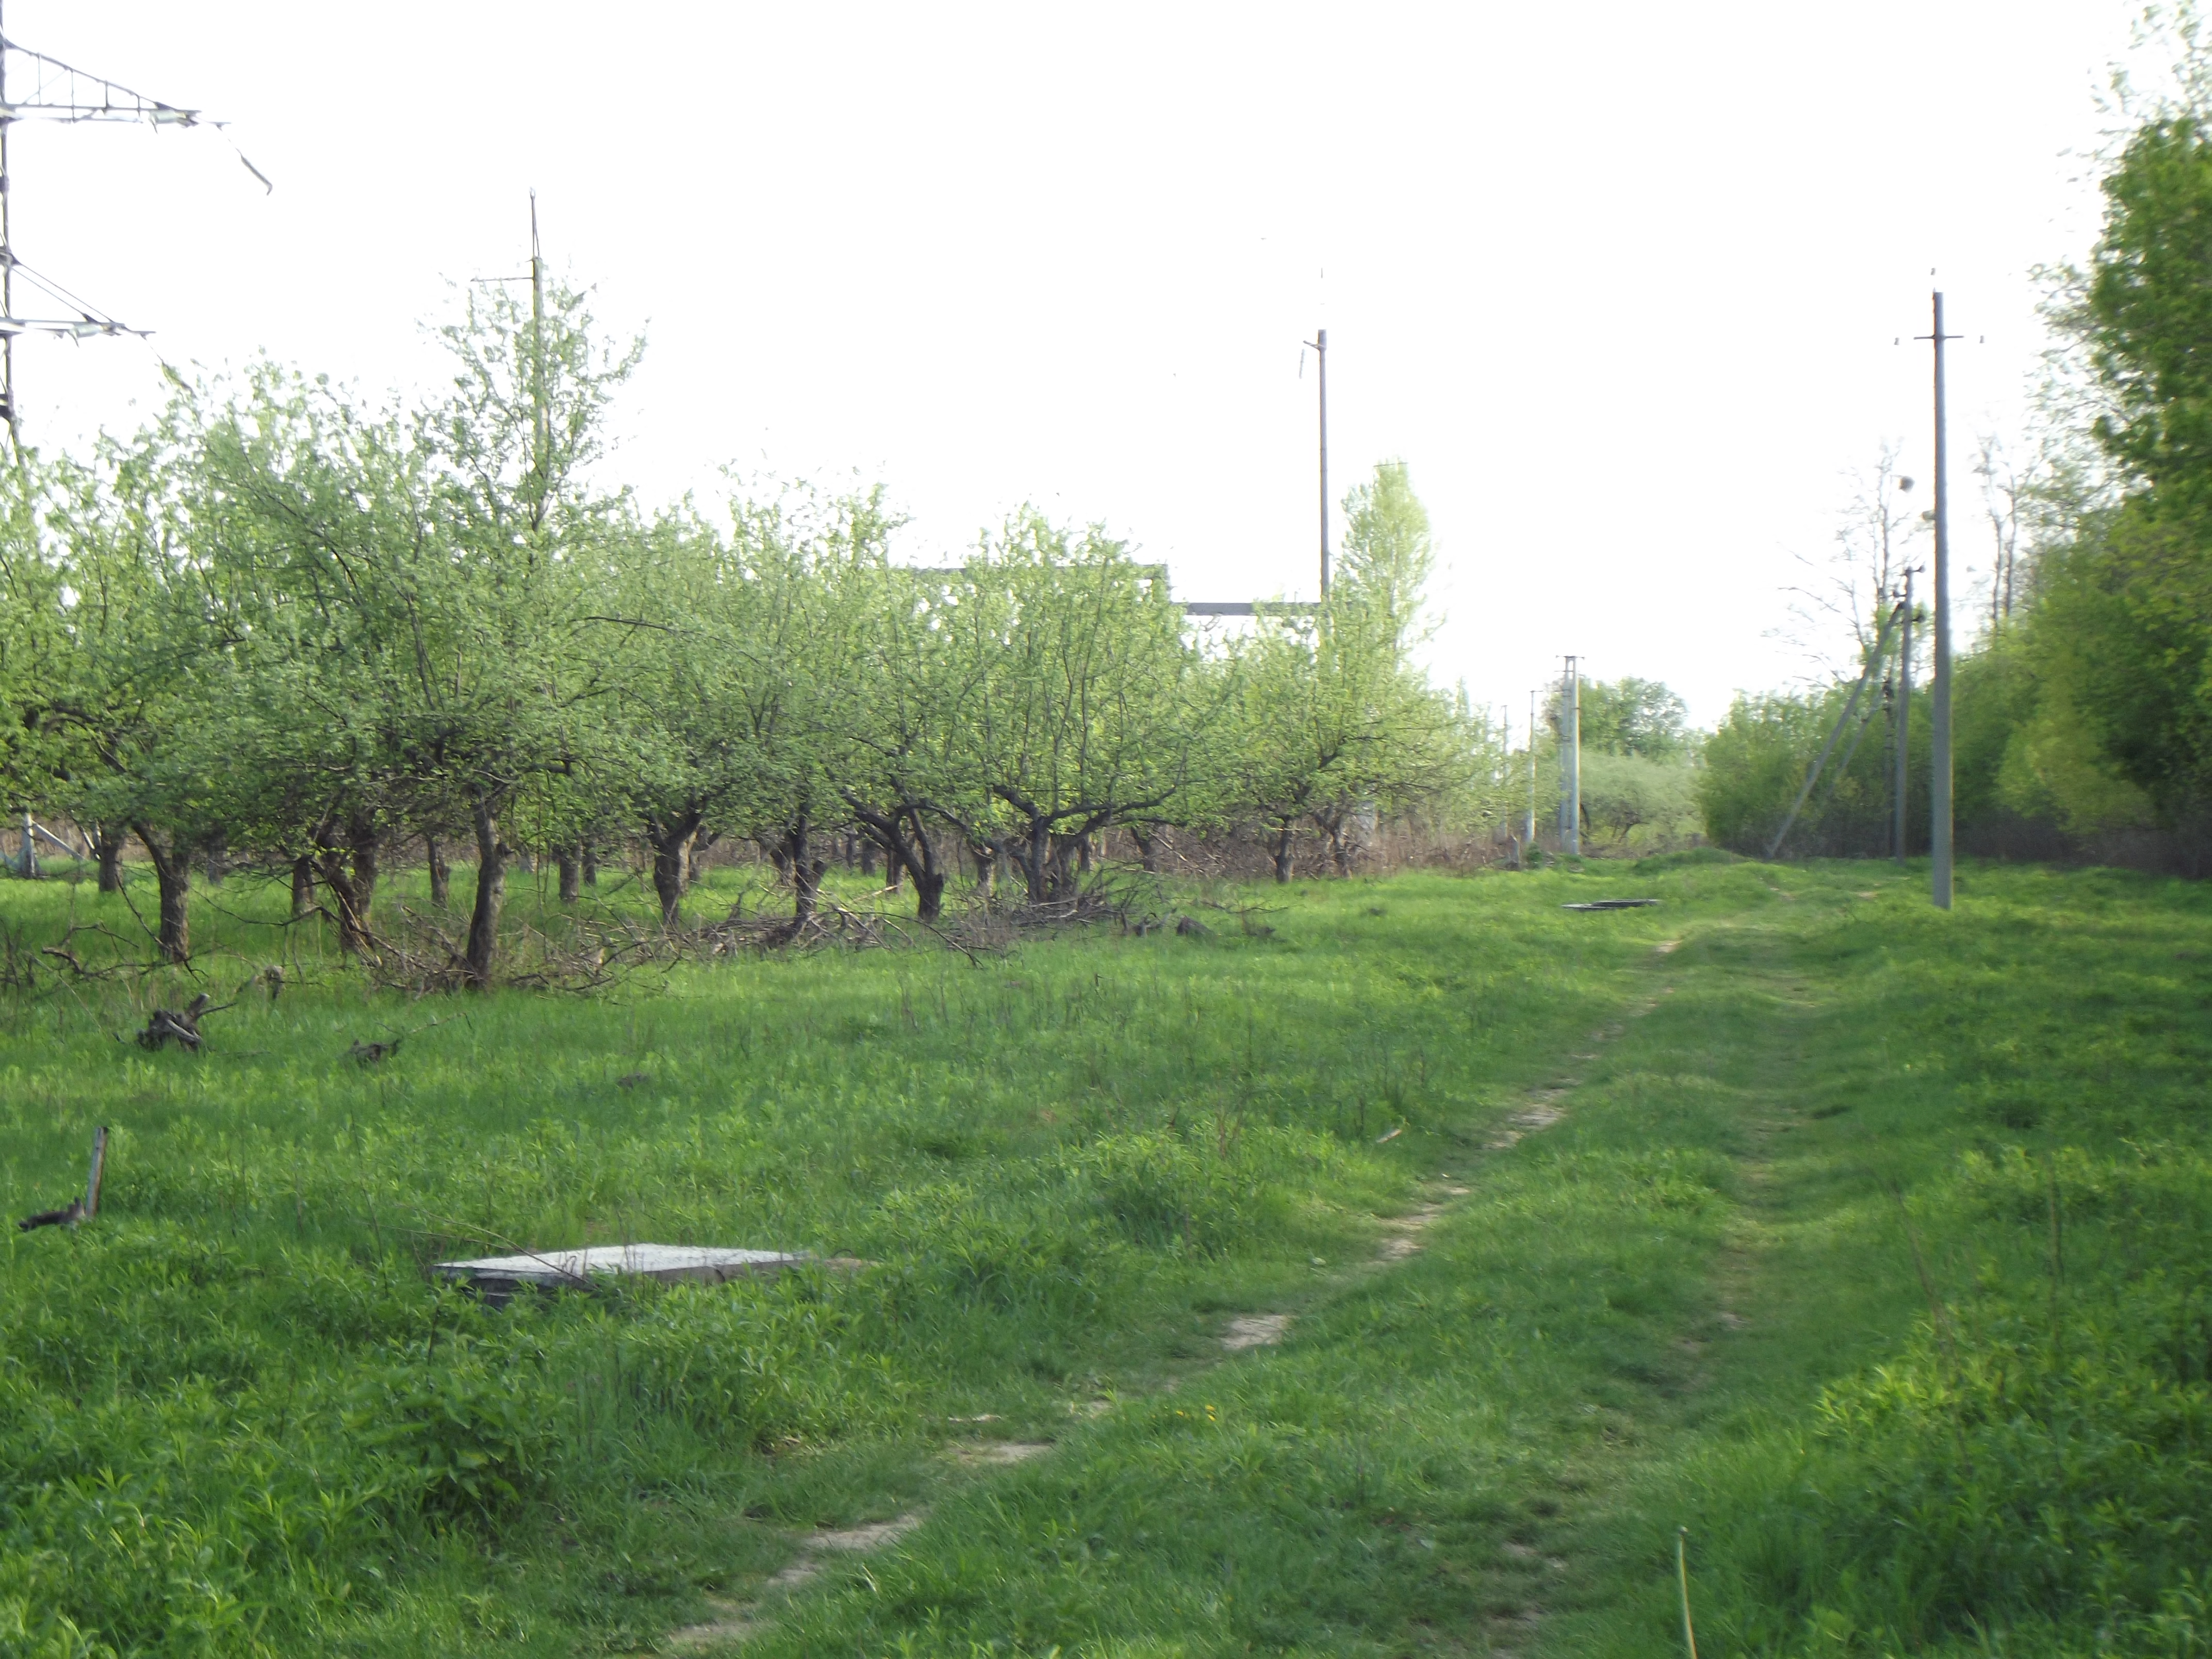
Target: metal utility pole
[(7, 272), (53, 91), (1939, 723), (1904, 732), (1320, 344), (1570, 748)]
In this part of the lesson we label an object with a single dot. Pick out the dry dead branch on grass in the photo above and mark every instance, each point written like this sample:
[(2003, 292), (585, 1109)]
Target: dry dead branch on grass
[(167, 1025)]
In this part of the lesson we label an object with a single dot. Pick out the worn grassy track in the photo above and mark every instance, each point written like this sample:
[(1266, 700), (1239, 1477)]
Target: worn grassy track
[(1751, 1235)]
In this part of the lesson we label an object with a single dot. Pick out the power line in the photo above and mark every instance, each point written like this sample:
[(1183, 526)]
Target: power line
[(49, 90)]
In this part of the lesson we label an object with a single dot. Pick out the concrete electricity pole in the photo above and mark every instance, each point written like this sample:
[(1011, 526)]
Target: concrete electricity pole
[(1320, 344), (1530, 840), (1570, 749), (1904, 732), (1939, 723)]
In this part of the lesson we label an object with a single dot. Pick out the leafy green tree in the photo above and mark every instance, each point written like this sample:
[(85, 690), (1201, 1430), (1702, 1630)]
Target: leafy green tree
[(1083, 714), (682, 729), (1630, 716), (147, 628), (2124, 618), (499, 606), (1630, 801), (903, 727)]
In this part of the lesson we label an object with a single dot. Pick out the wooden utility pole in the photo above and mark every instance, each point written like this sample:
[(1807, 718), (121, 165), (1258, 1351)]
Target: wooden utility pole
[(1320, 344), (1938, 710), (1903, 729)]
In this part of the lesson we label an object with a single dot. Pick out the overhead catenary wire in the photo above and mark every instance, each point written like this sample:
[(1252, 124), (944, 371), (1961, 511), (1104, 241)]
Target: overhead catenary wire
[(48, 90)]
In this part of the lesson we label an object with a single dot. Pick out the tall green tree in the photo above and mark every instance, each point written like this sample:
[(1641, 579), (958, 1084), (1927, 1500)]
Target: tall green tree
[(147, 627), (1630, 716), (2125, 615), (501, 609), (1083, 707)]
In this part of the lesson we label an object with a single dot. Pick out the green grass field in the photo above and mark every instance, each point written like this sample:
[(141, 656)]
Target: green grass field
[(1867, 1245)]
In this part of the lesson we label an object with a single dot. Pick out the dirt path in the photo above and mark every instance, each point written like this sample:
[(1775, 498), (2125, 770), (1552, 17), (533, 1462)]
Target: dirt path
[(736, 1622)]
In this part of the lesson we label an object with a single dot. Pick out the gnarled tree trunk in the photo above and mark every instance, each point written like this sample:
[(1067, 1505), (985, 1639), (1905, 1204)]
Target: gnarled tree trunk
[(669, 838), (441, 874), (796, 845), (172, 872), (702, 842), (354, 888), (107, 852), (483, 947), (572, 874), (1282, 853), (591, 864), (303, 884)]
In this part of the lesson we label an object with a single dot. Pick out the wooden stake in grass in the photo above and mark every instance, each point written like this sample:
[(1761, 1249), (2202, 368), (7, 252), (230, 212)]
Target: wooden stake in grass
[(93, 1176), (1682, 1571)]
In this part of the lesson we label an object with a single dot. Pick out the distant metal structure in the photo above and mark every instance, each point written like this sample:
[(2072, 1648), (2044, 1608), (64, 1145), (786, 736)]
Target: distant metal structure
[(1249, 607), (1158, 572), (48, 90)]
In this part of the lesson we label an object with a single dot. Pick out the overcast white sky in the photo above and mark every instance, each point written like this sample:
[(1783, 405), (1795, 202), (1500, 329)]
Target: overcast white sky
[(1619, 281)]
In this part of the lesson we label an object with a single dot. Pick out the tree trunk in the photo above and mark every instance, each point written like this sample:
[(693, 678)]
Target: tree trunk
[(868, 857), (591, 864), (1035, 857), (441, 874), (668, 880), (491, 895), (1282, 851), (355, 890), (108, 849), (572, 875), (361, 840), (1148, 847), (702, 842), (303, 884), (214, 860), (172, 872), (805, 869), (669, 837), (1060, 879), (929, 895)]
